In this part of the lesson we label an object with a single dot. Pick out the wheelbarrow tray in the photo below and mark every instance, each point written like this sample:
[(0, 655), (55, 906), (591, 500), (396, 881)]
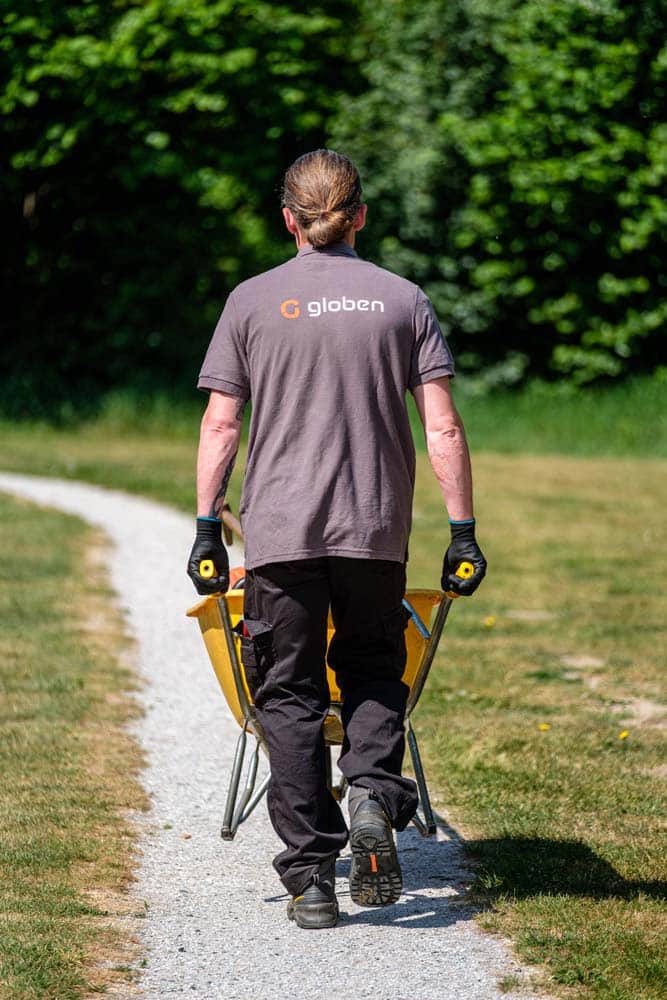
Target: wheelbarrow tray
[(218, 615)]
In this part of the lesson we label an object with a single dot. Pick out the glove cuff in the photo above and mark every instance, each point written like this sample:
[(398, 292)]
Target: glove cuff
[(209, 527), (462, 530)]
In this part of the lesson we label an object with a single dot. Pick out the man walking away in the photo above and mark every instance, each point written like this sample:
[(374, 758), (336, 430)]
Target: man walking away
[(326, 346)]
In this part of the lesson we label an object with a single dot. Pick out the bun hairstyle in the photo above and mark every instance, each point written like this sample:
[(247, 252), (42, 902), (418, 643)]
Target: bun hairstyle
[(322, 190)]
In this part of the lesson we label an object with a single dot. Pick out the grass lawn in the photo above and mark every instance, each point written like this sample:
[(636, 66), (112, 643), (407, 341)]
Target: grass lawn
[(67, 769), (542, 721), (629, 419), (544, 717)]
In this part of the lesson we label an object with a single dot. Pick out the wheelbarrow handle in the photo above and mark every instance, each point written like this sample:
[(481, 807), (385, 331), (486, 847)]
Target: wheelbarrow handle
[(206, 569), (464, 571), (230, 525)]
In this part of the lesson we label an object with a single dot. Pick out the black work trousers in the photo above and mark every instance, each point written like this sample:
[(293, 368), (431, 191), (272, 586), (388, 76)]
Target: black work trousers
[(284, 653)]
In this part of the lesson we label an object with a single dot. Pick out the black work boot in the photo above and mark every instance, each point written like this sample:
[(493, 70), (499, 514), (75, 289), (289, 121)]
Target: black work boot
[(375, 875), (317, 906)]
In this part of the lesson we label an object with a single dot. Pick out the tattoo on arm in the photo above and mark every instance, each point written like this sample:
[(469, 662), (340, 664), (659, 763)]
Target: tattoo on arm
[(217, 505)]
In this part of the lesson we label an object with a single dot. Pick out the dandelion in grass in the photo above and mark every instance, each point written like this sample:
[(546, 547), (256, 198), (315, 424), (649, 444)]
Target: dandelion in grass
[(544, 727), (489, 621), (623, 735)]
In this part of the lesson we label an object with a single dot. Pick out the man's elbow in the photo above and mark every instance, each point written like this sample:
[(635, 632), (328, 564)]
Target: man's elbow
[(220, 425), (445, 433)]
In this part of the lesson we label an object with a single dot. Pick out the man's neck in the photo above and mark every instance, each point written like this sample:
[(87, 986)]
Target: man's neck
[(302, 240)]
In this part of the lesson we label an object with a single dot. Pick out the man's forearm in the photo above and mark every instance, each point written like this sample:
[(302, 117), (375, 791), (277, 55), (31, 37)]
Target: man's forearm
[(218, 446), (450, 460)]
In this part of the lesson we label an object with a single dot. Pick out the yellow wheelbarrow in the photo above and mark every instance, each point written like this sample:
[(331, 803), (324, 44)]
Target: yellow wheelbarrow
[(219, 616)]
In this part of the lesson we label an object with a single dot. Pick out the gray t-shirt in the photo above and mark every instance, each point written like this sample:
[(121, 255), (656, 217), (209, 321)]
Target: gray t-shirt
[(326, 346)]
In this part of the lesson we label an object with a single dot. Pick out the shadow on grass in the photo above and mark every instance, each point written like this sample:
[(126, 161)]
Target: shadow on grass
[(522, 867), (449, 879)]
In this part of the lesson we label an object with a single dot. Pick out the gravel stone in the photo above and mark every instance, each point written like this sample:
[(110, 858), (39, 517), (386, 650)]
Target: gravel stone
[(215, 922)]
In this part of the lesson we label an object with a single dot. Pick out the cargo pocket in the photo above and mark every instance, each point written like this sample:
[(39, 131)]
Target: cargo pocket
[(257, 653), (395, 624)]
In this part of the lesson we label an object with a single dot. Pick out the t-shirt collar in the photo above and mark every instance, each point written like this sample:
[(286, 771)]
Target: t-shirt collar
[(341, 249)]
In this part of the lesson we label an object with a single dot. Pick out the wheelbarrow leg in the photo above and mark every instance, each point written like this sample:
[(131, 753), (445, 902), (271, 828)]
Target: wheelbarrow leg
[(251, 778), (228, 829), (427, 825), (256, 799), (338, 791)]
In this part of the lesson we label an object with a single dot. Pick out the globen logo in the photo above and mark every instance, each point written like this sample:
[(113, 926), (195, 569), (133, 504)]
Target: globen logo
[(290, 309)]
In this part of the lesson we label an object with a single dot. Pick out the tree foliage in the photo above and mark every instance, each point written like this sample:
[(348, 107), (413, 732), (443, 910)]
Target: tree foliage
[(514, 154), (517, 154), (145, 144)]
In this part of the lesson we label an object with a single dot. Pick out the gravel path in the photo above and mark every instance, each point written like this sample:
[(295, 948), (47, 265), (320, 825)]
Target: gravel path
[(216, 925)]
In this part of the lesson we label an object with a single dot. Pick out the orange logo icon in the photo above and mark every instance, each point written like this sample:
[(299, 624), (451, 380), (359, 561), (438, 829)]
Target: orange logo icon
[(290, 308)]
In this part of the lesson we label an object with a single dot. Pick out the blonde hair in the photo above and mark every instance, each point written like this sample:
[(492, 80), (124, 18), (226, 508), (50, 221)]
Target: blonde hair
[(322, 190)]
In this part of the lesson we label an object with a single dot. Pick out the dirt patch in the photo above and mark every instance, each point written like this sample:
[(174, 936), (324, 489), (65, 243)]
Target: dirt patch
[(659, 771), (116, 950), (582, 662), (114, 760), (641, 712)]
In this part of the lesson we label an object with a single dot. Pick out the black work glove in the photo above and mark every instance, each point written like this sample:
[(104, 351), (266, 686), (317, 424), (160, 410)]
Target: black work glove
[(208, 547), (463, 549)]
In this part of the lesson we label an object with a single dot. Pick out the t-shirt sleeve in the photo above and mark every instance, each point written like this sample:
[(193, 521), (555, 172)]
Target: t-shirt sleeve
[(225, 366), (431, 357)]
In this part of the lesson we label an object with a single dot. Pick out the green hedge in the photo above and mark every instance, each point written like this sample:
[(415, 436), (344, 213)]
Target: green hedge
[(513, 153), (145, 143)]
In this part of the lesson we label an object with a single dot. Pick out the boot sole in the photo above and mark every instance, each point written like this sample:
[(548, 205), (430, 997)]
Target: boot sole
[(375, 876), (314, 918)]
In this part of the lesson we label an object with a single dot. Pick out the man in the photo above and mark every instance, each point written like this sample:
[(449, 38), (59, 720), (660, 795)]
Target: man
[(326, 346)]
